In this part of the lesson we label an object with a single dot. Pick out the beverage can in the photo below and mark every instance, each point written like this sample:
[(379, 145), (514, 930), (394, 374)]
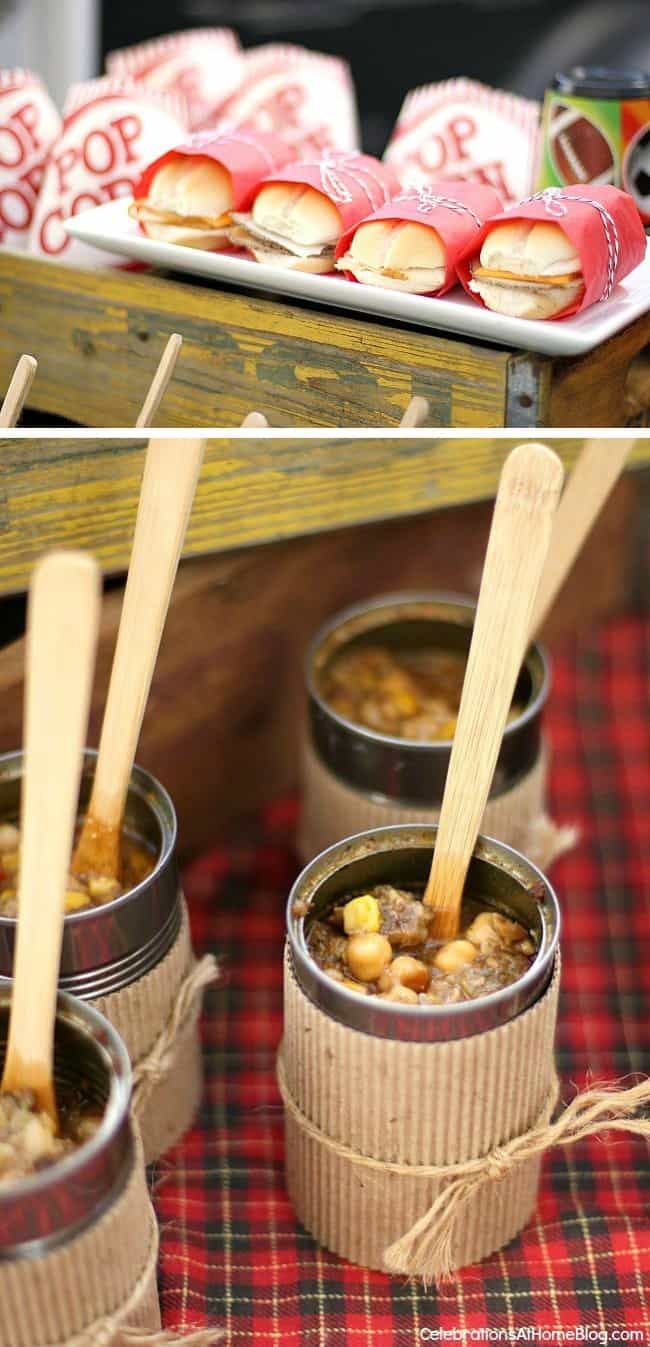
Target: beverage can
[(596, 129)]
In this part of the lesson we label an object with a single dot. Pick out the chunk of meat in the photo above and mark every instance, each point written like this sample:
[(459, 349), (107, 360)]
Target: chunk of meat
[(403, 918)]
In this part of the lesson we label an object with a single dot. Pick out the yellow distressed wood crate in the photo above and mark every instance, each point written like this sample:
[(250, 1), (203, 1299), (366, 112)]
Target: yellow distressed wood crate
[(98, 336), (84, 492)]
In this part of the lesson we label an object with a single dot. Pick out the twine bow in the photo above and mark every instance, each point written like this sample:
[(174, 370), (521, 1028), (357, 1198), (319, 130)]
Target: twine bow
[(158, 1063), (427, 201), (427, 1249), (556, 203)]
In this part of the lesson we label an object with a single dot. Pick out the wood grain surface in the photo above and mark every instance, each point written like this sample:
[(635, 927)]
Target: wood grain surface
[(83, 493), (98, 336), (227, 693)]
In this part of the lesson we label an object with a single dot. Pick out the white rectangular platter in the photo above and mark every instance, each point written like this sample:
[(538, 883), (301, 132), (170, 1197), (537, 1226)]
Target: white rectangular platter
[(110, 228)]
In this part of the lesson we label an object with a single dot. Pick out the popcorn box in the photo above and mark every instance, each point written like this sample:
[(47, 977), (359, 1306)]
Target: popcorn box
[(111, 130), (203, 65), (462, 129), (29, 124), (304, 96)]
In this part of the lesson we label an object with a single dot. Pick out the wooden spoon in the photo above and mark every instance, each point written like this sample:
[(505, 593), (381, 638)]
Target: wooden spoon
[(18, 391), (62, 627), (526, 501), (160, 382), (416, 414), (598, 468), (168, 484)]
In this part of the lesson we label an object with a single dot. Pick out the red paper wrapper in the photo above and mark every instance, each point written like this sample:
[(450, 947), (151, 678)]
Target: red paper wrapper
[(303, 96), (204, 65), (456, 210), (111, 129), (355, 183), (461, 129), (29, 124), (603, 225), (248, 156)]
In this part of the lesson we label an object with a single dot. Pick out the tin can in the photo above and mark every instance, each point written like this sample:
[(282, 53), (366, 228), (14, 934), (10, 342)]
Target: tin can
[(401, 856), (356, 778), (383, 1101), (55, 1203), (596, 129), (133, 959), (108, 947)]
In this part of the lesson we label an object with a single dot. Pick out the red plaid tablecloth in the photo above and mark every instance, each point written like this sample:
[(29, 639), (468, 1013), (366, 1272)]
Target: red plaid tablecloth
[(232, 1253)]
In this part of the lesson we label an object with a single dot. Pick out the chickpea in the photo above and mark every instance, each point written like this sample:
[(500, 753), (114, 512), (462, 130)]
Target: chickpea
[(405, 971), (455, 955), (361, 914), (405, 995), (367, 955), (490, 929)]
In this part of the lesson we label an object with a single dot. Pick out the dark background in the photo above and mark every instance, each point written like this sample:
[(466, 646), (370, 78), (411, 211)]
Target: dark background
[(393, 46)]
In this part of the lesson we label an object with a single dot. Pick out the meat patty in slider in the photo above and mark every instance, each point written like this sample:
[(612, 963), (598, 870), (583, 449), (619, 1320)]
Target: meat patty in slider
[(527, 269), (398, 255), (290, 225)]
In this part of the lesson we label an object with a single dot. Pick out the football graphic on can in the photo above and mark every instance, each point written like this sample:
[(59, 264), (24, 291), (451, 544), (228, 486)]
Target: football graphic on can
[(579, 149)]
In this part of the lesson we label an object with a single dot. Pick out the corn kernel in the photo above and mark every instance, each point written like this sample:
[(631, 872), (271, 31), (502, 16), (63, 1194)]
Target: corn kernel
[(361, 914), (74, 901)]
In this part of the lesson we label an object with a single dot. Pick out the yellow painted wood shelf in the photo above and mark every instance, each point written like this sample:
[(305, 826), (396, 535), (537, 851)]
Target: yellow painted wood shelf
[(98, 336), (83, 493)]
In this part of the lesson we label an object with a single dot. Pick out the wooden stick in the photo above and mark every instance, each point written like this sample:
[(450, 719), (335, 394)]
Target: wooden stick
[(255, 420), (62, 627), (596, 472), (168, 484), (160, 382), (416, 414), (526, 501), (18, 391)]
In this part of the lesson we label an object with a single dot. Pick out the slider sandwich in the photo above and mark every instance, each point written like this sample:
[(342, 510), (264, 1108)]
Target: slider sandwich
[(297, 217), (412, 244), (528, 269), (187, 196), (555, 254)]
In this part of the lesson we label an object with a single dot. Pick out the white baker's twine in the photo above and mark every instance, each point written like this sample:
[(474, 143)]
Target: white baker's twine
[(333, 164), (427, 201), (556, 204)]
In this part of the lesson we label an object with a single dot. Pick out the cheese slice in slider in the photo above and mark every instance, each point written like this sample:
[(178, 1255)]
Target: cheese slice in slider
[(290, 225), (398, 255), (188, 202), (527, 269)]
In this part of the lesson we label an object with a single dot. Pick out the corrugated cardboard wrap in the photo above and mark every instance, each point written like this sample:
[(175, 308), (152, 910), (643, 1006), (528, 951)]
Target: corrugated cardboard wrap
[(157, 1017), (333, 810)]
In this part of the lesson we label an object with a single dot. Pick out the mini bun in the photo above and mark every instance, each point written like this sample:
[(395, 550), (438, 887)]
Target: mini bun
[(298, 213), (191, 187)]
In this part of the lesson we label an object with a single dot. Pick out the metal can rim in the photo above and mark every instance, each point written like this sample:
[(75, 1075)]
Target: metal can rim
[(539, 971)]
